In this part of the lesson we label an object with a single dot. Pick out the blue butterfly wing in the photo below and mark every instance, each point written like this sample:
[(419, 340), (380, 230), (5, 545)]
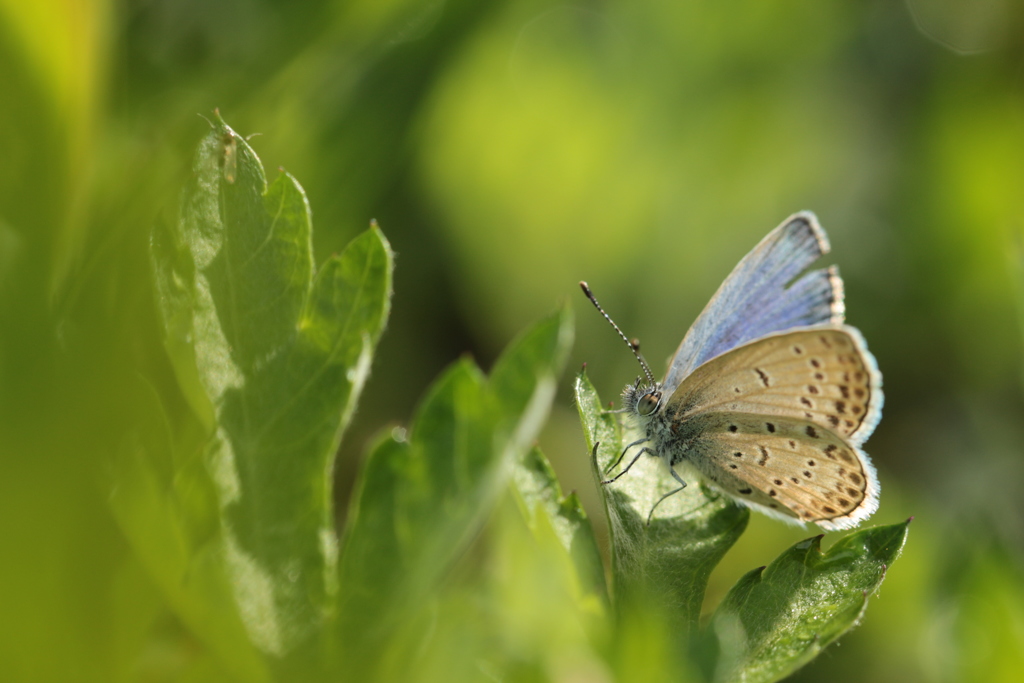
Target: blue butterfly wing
[(764, 294)]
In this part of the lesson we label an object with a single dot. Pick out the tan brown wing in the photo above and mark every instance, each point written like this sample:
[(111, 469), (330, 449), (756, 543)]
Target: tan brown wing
[(775, 464), (823, 375)]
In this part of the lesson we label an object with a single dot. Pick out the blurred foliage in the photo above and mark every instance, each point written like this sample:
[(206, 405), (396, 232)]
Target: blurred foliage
[(510, 149)]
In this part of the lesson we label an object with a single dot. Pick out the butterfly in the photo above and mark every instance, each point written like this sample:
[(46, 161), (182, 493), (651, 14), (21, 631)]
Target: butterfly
[(770, 395)]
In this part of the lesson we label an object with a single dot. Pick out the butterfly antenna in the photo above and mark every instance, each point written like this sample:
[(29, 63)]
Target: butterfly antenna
[(634, 347)]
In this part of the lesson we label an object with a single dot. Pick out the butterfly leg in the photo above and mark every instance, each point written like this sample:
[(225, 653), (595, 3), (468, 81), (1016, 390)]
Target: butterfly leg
[(682, 485), (623, 454), (631, 462)]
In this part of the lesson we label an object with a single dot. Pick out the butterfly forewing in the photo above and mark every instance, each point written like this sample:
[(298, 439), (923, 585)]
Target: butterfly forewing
[(772, 463), (821, 375), (764, 294)]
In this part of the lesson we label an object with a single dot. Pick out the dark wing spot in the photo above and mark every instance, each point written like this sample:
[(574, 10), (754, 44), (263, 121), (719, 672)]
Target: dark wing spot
[(815, 362), (858, 376), (792, 444), (846, 377), (855, 478), (811, 432), (811, 388), (806, 401), (738, 454), (849, 424), (764, 456), (829, 510), (807, 474), (773, 506), (745, 491), (794, 480), (764, 376), (736, 389), (770, 426), (833, 420), (843, 503), (733, 465), (773, 493), (855, 410), (844, 390), (852, 492), (818, 376), (807, 515), (845, 455), (809, 416), (811, 463), (830, 450), (841, 407), (824, 340), (733, 428), (778, 482), (858, 392), (797, 350)]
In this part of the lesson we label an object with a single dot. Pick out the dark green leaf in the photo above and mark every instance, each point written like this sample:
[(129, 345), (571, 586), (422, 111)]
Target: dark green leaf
[(280, 357), (777, 618), (666, 565)]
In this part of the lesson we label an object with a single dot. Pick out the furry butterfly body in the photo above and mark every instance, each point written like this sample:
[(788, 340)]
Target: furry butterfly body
[(770, 396)]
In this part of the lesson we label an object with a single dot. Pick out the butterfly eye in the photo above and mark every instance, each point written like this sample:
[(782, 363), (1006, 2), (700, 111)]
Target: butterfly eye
[(648, 403)]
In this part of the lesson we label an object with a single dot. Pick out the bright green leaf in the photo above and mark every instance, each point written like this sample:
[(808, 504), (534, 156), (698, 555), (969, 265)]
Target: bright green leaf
[(524, 378), (664, 566), (540, 353), (547, 510), (777, 618), (422, 495), (168, 513), (279, 357)]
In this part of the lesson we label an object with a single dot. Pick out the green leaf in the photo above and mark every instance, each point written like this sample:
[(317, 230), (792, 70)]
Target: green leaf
[(664, 566), (423, 495), (778, 618), (540, 353), (168, 513), (524, 379), (279, 357), (547, 511)]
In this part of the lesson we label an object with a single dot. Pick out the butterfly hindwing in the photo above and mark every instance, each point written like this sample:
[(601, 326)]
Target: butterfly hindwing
[(764, 295), (772, 464)]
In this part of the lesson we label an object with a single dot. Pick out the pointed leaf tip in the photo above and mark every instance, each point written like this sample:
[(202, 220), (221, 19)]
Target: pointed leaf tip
[(804, 590)]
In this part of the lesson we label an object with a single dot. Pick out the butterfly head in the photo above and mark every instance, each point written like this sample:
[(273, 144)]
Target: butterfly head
[(643, 399)]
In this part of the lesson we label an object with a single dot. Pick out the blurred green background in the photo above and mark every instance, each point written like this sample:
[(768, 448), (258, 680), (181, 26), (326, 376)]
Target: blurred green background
[(509, 149)]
